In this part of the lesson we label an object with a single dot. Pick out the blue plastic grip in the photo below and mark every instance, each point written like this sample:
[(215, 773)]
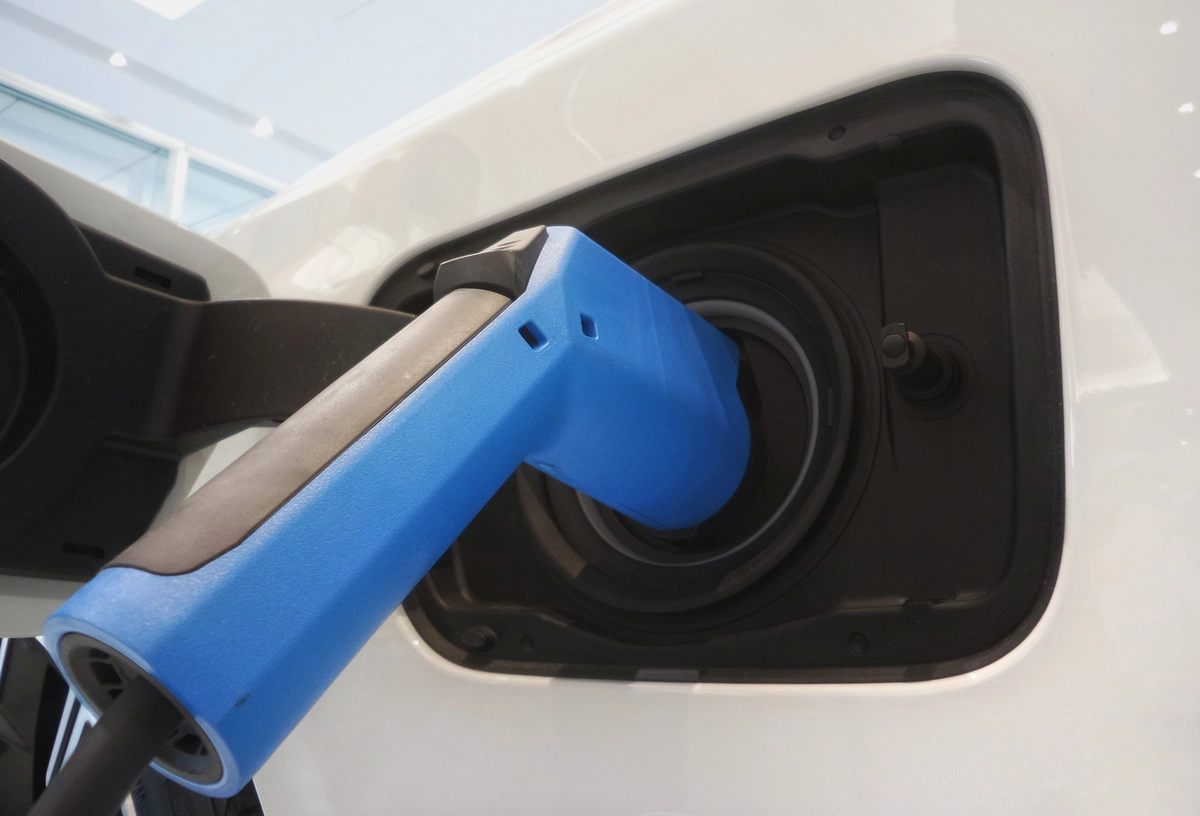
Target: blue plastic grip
[(593, 375)]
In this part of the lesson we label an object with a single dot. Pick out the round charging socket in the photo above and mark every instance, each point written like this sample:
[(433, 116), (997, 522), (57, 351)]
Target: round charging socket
[(795, 383)]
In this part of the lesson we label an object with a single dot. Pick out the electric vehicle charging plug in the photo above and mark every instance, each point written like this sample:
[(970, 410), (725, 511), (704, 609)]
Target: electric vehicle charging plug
[(245, 604)]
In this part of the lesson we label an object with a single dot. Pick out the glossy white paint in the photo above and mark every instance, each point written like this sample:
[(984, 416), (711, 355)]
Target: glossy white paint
[(1097, 711)]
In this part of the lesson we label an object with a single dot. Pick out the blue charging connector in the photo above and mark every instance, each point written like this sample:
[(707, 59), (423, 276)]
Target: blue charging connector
[(245, 604)]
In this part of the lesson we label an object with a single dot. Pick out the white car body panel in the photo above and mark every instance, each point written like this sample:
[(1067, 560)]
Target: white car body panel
[(1096, 711)]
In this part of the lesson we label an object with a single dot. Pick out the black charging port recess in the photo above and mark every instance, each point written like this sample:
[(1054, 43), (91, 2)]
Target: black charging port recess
[(887, 529)]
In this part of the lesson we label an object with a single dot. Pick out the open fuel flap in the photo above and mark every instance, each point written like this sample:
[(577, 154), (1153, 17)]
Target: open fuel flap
[(884, 263)]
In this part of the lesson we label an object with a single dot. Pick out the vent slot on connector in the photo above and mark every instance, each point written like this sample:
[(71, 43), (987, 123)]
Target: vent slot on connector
[(885, 264)]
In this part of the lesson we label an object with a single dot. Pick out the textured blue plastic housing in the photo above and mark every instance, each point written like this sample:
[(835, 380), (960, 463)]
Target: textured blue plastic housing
[(593, 375)]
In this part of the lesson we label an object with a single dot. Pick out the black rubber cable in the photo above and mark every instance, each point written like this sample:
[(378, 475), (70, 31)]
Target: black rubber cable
[(111, 755)]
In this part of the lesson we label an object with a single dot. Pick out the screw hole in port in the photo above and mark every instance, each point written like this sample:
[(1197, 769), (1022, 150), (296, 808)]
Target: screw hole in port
[(588, 325), (836, 133), (479, 638), (859, 643), (532, 335)]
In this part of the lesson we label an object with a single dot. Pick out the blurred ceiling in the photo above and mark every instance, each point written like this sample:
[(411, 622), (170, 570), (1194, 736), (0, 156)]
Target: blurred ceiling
[(324, 73)]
